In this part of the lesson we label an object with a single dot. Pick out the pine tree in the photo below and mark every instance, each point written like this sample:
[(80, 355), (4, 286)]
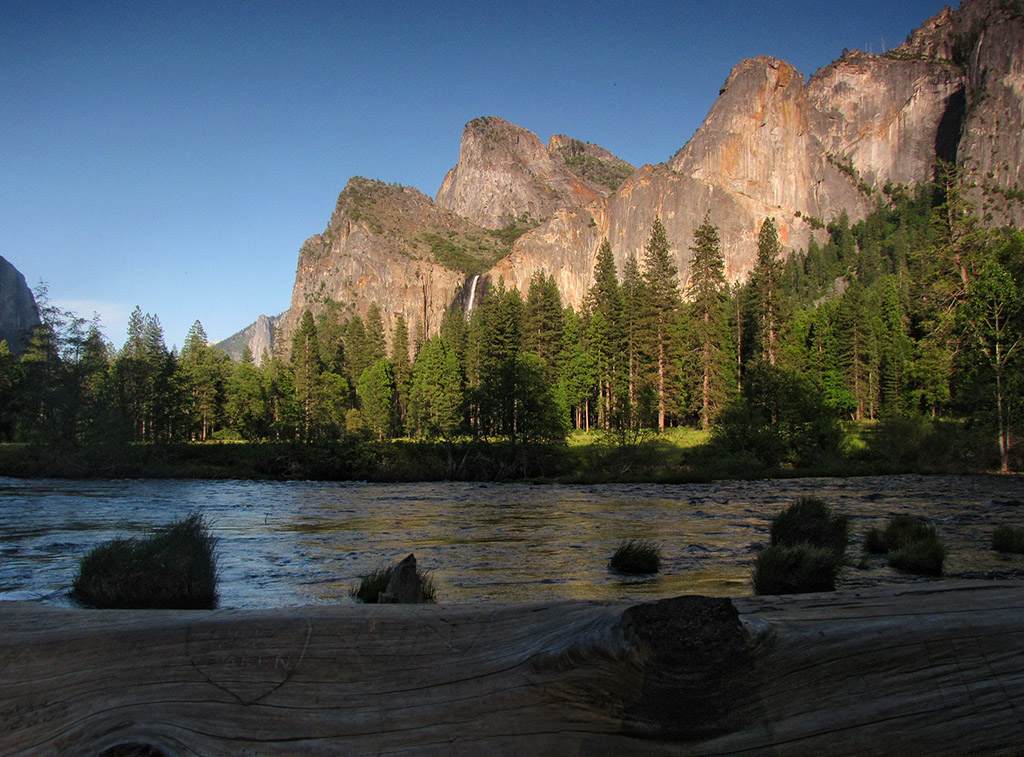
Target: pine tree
[(436, 396), (495, 340), (246, 401), (766, 282), (376, 393), (203, 379), (662, 307), (543, 321), (605, 331), (359, 354), (577, 373), (307, 369), (706, 293), (403, 372), (894, 347), (144, 376), (376, 340)]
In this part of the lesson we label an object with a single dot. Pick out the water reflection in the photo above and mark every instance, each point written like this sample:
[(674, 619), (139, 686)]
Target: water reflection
[(297, 543)]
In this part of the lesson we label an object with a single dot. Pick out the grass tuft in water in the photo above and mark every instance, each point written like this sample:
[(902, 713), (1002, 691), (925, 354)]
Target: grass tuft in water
[(174, 568), (904, 529), (1008, 539), (799, 569), (636, 557), (810, 521), (911, 543), (925, 557)]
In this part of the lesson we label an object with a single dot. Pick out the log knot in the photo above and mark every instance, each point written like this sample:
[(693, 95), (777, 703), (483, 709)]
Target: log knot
[(696, 662)]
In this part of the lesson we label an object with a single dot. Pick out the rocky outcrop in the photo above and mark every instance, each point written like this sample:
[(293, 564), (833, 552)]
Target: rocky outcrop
[(589, 161), (505, 174), (258, 337), (389, 245), (18, 311), (991, 149), (772, 145)]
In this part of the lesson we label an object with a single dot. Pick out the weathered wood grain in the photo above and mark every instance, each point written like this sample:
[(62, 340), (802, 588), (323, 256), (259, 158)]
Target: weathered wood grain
[(930, 668)]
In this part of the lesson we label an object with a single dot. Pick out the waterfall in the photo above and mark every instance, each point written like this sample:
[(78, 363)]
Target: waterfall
[(472, 292)]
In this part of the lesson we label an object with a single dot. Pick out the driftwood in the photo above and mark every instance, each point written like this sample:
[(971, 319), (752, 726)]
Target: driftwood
[(932, 668)]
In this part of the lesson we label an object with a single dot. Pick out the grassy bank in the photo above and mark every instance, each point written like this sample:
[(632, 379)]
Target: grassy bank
[(677, 456)]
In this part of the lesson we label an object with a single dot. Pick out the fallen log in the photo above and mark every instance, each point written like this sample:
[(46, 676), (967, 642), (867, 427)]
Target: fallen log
[(925, 668)]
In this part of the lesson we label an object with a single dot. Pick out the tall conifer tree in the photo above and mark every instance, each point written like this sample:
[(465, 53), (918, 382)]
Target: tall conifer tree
[(707, 296), (605, 331), (662, 307), (766, 281)]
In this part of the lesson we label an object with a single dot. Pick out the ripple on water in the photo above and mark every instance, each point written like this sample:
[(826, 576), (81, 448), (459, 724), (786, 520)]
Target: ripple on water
[(293, 543)]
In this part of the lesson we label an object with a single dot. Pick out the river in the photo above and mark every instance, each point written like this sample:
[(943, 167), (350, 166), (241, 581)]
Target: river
[(302, 543)]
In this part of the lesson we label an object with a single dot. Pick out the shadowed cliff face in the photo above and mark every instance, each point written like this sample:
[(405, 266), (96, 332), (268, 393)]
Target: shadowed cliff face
[(992, 147), (17, 307), (772, 145)]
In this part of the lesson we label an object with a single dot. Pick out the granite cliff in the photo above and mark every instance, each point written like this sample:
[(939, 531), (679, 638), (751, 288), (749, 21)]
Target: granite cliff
[(258, 337), (773, 145), (506, 174), (18, 311), (393, 246)]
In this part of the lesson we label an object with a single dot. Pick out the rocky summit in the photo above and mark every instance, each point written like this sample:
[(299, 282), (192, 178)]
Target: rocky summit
[(773, 145)]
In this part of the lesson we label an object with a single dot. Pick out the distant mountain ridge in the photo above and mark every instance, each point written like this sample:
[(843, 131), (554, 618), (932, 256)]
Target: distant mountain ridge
[(772, 145)]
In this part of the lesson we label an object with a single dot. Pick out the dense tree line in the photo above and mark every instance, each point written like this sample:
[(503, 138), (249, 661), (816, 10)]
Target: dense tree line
[(917, 310)]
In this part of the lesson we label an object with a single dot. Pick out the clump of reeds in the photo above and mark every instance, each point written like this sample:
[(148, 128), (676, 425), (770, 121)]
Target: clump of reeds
[(810, 521), (911, 544), (636, 557), (808, 544), (798, 569), (173, 568), (1008, 539)]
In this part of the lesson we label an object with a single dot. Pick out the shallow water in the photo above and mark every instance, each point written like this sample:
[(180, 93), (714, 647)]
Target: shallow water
[(299, 543)]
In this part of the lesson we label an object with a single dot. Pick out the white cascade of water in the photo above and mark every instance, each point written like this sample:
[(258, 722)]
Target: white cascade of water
[(472, 292)]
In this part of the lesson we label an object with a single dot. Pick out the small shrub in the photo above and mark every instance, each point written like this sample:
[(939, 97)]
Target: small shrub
[(372, 585), (904, 529), (798, 569), (639, 557), (810, 521), (175, 568), (1008, 539), (924, 557)]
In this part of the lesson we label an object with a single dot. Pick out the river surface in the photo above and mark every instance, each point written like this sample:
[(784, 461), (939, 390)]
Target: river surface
[(302, 543)]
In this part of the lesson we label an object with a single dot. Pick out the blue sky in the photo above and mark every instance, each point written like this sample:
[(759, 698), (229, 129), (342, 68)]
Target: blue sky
[(175, 156)]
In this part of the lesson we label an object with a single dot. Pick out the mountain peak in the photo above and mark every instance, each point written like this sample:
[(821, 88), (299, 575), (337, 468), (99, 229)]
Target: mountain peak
[(505, 175)]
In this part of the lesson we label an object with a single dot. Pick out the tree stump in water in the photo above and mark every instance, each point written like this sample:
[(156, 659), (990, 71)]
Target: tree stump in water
[(924, 668)]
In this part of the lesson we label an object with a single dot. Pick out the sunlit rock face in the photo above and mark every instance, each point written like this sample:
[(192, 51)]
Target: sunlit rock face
[(801, 153), (881, 116), (379, 247), (505, 174), (257, 336), (17, 307), (772, 145)]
